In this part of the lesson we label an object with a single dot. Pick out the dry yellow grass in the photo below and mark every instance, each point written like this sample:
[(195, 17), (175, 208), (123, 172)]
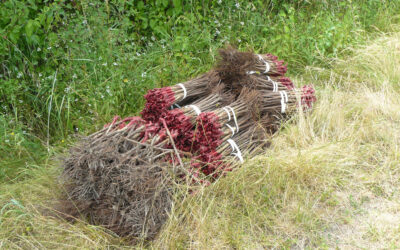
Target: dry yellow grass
[(331, 178)]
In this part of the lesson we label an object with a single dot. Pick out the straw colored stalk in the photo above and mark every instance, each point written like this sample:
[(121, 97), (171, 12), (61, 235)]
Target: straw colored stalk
[(284, 102), (249, 142), (195, 88), (206, 104), (239, 109), (229, 129), (264, 82)]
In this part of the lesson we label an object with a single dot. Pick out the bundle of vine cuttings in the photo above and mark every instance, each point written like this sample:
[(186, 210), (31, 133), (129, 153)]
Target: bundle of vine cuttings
[(124, 176), (159, 100), (116, 179)]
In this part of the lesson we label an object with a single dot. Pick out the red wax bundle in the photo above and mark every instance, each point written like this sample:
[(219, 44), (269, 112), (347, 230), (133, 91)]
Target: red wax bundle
[(180, 128), (279, 65), (158, 101), (208, 138), (286, 82), (151, 129), (308, 96)]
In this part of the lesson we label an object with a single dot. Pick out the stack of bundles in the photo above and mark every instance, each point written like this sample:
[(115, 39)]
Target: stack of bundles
[(123, 176)]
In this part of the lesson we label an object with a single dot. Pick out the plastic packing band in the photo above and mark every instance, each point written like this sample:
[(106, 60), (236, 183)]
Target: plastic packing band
[(195, 108), (283, 103), (230, 143), (267, 66), (235, 147), (232, 130), (251, 72), (234, 118), (286, 96), (275, 86), (227, 111), (184, 90)]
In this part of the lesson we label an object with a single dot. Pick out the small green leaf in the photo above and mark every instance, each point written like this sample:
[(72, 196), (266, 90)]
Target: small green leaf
[(177, 3), (153, 23), (140, 5), (286, 28), (29, 29)]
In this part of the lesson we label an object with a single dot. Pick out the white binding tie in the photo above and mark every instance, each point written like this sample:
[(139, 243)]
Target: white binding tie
[(267, 66), (286, 96), (184, 90), (227, 111), (195, 108), (283, 102), (275, 87), (234, 118), (232, 130), (235, 147)]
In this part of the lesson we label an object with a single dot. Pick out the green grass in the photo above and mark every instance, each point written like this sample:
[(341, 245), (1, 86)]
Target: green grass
[(331, 178), (19, 149)]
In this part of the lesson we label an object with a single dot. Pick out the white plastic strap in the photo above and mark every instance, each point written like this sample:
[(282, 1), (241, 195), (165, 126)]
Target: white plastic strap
[(184, 90), (286, 96), (232, 130), (195, 108), (260, 57), (227, 111), (230, 143), (283, 103), (274, 84), (234, 118), (251, 72), (177, 105), (267, 66), (234, 147)]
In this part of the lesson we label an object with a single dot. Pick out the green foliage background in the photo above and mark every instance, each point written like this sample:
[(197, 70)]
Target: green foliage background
[(68, 66)]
